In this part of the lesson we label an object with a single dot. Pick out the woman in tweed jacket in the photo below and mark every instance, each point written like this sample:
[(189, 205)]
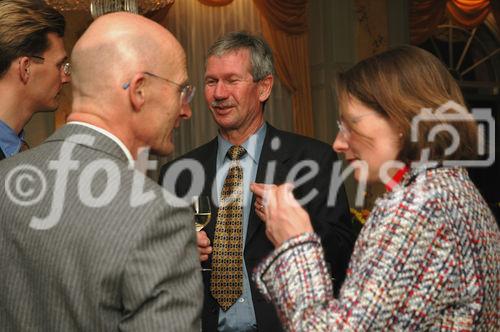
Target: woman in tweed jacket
[(428, 256)]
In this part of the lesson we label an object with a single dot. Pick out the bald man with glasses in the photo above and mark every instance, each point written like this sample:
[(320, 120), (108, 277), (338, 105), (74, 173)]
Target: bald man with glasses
[(104, 248), (33, 67)]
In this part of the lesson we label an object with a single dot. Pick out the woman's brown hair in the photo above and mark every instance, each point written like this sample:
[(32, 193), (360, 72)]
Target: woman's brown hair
[(398, 84)]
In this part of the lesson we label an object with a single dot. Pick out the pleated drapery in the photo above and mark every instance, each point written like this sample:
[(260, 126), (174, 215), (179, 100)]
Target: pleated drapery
[(284, 25), (426, 15), (215, 2)]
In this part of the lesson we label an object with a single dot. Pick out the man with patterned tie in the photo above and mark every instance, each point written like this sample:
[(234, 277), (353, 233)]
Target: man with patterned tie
[(33, 67), (238, 82)]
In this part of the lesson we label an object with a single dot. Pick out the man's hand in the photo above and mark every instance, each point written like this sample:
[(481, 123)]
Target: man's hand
[(204, 247)]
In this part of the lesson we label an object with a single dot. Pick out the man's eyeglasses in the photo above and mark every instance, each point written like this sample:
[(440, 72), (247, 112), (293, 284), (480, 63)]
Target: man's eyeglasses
[(64, 66), (187, 91)]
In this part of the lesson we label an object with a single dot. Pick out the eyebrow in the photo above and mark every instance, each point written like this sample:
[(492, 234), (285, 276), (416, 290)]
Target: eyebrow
[(59, 63)]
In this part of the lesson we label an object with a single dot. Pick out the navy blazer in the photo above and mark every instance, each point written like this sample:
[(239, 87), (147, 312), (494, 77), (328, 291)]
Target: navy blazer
[(333, 224)]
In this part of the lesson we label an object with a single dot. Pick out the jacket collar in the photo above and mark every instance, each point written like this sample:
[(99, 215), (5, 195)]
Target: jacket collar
[(84, 136)]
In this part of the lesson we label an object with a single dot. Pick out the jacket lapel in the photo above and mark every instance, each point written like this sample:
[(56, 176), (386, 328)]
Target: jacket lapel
[(210, 158), (272, 159)]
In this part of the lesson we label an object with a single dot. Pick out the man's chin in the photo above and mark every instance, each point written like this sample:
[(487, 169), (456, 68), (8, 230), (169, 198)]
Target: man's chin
[(164, 151), (49, 109)]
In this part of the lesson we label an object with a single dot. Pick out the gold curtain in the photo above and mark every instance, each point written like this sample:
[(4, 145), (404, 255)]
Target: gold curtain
[(284, 25), (215, 2), (469, 13), (425, 15)]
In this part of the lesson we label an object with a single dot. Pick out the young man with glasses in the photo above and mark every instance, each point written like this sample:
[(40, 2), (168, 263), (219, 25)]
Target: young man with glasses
[(33, 67)]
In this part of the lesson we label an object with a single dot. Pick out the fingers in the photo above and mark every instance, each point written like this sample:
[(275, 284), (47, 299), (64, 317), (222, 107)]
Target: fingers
[(285, 196), (268, 197), (262, 192), (202, 239), (204, 255), (259, 204), (204, 248), (260, 189), (259, 210)]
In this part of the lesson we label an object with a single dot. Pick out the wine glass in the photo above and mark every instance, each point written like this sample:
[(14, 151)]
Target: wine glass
[(202, 211), (202, 214)]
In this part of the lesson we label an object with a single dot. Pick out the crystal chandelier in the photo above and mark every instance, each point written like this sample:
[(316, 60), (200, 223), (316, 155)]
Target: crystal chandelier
[(101, 7)]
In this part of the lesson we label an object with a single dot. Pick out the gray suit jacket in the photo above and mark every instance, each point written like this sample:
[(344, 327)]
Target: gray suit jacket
[(118, 266)]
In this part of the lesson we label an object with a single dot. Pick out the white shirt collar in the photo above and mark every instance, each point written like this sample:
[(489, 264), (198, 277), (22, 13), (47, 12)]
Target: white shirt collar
[(110, 136)]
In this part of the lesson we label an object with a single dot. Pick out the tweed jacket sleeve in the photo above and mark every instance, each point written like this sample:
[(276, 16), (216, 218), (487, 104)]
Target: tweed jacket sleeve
[(419, 264)]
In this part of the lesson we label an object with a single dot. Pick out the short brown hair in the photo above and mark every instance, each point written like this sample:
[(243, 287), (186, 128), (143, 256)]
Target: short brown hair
[(24, 25), (398, 84)]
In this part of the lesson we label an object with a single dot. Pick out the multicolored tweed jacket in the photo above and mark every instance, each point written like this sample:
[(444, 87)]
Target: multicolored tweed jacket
[(427, 259)]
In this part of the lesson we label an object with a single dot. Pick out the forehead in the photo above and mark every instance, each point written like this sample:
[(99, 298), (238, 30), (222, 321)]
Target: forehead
[(233, 62), (180, 62), (55, 45), (351, 106), (176, 63)]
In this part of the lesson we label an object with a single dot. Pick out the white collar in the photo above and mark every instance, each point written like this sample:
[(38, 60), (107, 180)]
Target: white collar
[(110, 136)]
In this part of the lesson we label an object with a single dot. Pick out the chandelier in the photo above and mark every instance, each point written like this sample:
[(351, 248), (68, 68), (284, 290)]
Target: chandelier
[(101, 7)]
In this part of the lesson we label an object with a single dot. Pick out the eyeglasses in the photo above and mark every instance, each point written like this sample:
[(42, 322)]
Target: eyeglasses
[(187, 90), (344, 129), (64, 66)]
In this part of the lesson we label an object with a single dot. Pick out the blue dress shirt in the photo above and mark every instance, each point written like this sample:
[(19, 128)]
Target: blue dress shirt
[(241, 315), (10, 141)]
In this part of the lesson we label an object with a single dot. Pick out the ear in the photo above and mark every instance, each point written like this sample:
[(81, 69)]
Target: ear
[(24, 69), (265, 87), (136, 91)]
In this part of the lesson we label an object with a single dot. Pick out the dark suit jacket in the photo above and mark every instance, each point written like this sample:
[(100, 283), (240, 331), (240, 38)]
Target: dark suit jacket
[(108, 268), (333, 224)]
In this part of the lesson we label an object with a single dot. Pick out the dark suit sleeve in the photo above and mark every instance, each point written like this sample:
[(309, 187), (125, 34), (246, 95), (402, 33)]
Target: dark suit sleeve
[(332, 223), (162, 288)]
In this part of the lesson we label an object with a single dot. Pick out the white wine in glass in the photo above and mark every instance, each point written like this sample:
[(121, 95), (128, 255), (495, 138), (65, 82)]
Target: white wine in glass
[(202, 211)]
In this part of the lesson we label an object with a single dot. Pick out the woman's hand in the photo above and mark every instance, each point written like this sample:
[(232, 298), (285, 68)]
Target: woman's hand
[(279, 210)]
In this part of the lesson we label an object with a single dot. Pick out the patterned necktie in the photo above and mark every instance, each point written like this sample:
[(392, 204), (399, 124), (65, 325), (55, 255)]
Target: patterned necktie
[(226, 284)]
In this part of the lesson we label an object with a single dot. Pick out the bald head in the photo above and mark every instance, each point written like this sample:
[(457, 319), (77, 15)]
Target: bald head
[(115, 47), (122, 72)]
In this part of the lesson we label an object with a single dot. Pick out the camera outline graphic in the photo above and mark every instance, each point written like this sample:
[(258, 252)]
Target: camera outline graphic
[(481, 116)]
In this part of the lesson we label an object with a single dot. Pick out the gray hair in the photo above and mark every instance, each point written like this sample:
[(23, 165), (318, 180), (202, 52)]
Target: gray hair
[(261, 56)]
